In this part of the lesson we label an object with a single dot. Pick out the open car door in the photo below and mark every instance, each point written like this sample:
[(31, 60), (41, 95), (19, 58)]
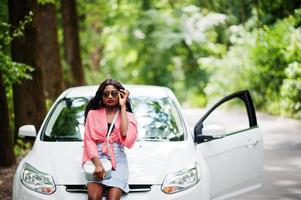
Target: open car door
[(232, 146)]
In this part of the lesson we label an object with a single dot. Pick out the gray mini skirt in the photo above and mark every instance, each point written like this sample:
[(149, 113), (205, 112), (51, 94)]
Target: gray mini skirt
[(119, 176)]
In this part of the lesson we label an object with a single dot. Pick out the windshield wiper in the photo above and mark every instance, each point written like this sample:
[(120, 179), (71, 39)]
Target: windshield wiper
[(154, 139), (61, 138)]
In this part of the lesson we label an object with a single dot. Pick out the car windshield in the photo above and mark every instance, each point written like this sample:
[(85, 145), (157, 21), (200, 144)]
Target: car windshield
[(157, 119)]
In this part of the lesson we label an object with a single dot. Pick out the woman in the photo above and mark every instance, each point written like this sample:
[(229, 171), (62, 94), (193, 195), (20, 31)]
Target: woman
[(100, 111)]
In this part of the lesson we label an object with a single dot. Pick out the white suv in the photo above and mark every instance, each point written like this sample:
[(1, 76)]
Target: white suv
[(168, 161)]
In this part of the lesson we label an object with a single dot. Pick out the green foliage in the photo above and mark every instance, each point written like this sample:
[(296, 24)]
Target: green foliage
[(157, 44), (43, 2), (269, 11), (22, 147), (276, 48), (13, 71), (191, 48), (49, 103), (6, 36), (265, 61), (290, 92), (237, 11), (232, 72)]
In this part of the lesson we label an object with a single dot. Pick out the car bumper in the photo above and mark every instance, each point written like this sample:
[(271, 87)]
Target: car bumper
[(22, 193)]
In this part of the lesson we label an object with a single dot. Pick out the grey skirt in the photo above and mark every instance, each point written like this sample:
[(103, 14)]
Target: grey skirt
[(120, 175)]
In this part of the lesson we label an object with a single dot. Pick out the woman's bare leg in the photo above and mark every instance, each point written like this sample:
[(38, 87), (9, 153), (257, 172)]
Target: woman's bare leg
[(114, 193), (95, 191)]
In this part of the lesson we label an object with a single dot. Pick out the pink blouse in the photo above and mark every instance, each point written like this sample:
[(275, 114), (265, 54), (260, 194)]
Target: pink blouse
[(96, 128)]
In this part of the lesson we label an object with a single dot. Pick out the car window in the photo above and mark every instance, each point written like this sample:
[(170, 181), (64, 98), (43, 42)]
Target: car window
[(67, 120), (231, 115), (157, 119)]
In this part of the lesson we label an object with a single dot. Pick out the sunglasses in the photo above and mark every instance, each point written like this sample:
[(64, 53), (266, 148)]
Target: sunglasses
[(106, 94)]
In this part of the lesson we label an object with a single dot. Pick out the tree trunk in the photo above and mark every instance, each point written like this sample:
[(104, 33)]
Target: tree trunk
[(32, 49), (49, 52), (7, 157), (39, 46), (71, 41)]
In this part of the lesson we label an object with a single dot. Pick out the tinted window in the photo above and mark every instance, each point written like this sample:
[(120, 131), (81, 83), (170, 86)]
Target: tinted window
[(157, 119)]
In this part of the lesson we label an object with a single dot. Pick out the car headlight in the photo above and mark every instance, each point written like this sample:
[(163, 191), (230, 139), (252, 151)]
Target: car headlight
[(180, 180), (36, 180)]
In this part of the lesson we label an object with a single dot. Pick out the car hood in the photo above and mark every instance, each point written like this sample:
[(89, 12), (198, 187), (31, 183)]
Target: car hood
[(149, 162)]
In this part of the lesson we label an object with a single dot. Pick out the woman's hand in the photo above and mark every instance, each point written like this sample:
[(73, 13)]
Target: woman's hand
[(123, 96), (99, 172)]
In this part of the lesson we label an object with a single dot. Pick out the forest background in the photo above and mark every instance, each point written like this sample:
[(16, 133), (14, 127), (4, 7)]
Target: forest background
[(200, 49)]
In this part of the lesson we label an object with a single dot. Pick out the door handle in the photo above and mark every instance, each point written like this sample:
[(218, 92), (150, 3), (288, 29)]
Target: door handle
[(251, 143)]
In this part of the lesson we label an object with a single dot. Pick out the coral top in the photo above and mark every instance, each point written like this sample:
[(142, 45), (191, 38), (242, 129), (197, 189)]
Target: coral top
[(96, 129)]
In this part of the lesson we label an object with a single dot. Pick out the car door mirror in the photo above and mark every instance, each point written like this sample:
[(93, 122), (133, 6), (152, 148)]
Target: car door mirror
[(27, 131), (214, 130), (208, 132)]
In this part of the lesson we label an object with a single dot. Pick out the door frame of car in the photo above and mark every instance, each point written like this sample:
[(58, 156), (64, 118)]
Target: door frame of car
[(245, 96), (235, 159)]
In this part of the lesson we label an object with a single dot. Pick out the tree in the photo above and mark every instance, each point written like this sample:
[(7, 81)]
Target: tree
[(71, 41), (10, 72), (7, 157), (47, 42), (38, 48), (40, 39)]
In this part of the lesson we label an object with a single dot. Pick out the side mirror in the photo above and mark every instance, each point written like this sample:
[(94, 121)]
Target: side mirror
[(214, 130), (209, 132), (27, 131)]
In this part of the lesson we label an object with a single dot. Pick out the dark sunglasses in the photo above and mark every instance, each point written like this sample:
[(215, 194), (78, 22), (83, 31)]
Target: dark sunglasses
[(107, 94)]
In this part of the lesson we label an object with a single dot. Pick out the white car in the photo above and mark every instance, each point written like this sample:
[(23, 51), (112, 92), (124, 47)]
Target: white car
[(168, 160)]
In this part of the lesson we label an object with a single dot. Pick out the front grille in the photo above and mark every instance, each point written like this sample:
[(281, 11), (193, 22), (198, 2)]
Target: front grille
[(140, 188), (83, 188), (76, 188)]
